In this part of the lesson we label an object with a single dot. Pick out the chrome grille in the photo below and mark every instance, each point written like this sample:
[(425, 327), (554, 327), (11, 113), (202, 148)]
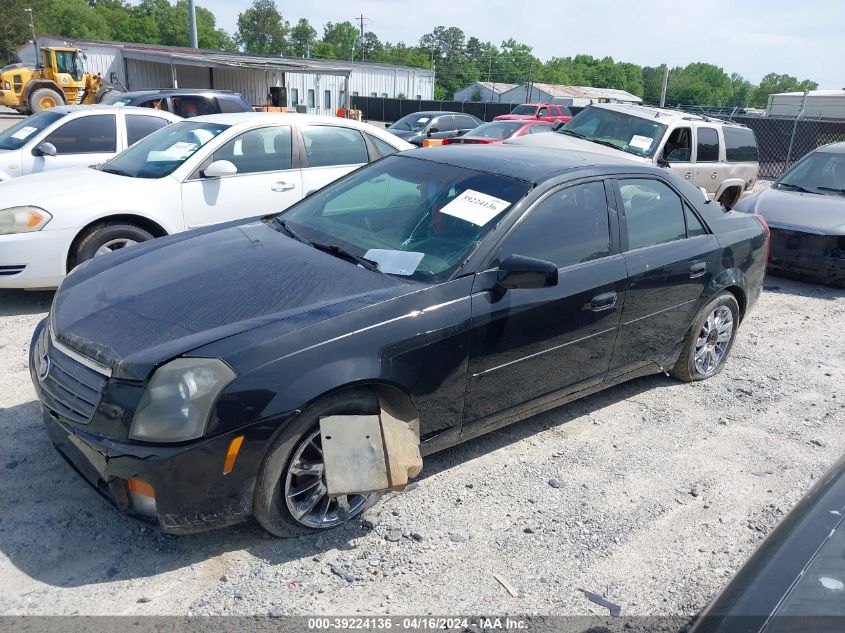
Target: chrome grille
[(69, 388)]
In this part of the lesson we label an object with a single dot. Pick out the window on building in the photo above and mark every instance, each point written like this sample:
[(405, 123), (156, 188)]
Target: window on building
[(384, 95), (653, 212), (354, 93), (327, 100), (294, 96), (312, 103), (342, 99), (419, 97), (86, 135)]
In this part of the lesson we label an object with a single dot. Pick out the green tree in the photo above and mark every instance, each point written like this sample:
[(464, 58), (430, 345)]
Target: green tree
[(341, 38), (302, 38), (74, 18), (262, 29), (774, 83)]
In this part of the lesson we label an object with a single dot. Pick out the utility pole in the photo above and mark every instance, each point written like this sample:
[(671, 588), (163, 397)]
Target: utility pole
[(360, 20), (34, 39), (665, 85), (192, 23)]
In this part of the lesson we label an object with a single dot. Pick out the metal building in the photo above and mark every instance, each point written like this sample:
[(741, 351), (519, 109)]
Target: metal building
[(566, 95), (322, 86), (821, 104), (484, 91)]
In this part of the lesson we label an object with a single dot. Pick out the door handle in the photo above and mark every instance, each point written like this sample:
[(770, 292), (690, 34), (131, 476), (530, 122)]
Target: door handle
[(697, 269), (283, 186), (688, 175), (602, 302), (714, 175)]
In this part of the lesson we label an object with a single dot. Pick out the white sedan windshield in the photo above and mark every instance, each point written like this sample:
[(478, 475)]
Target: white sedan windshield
[(162, 152)]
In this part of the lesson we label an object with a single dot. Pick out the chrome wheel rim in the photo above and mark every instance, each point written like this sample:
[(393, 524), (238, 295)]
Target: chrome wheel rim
[(306, 494), (114, 245), (713, 340)]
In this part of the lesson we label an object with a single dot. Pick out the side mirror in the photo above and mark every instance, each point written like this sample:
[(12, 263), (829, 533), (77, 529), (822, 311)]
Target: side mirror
[(433, 130), (557, 125), (518, 271), (219, 168), (45, 149)]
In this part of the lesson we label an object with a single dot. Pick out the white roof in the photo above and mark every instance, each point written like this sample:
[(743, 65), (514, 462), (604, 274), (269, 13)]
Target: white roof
[(811, 93), (586, 92), (493, 86)]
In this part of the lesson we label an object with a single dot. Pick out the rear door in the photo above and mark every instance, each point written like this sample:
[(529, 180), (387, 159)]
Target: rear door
[(445, 126), (79, 142), (464, 124), (671, 259), (529, 344), (137, 126), (330, 151), (268, 179), (708, 171)]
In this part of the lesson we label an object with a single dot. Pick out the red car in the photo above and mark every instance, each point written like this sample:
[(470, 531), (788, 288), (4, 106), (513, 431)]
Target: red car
[(496, 132), (537, 111)]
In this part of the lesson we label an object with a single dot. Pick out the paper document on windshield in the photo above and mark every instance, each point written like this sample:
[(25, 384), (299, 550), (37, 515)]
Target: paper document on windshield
[(476, 207), (395, 262), (177, 151), (23, 133), (640, 142)]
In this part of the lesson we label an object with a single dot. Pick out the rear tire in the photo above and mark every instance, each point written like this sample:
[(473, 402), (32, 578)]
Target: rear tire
[(273, 485), (709, 340), (43, 99), (105, 238)]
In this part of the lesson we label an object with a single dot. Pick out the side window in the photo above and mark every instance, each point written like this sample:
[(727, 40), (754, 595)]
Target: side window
[(653, 212), (708, 145), (159, 103), (444, 123), (539, 129), (465, 123), (384, 148), (678, 148), (694, 225), (327, 145), (740, 144), (565, 111), (256, 151), (86, 135), (193, 105), (229, 104), (542, 112), (568, 227), (137, 127)]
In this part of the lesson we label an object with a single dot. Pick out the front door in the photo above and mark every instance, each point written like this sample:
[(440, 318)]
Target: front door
[(527, 344), (678, 152), (83, 141), (671, 259), (267, 180)]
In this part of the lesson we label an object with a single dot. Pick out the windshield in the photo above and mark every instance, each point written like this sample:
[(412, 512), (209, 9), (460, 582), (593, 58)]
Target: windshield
[(15, 136), (415, 218), (625, 132), (411, 123), (116, 98), (819, 172), (162, 152), (524, 109), (496, 130)]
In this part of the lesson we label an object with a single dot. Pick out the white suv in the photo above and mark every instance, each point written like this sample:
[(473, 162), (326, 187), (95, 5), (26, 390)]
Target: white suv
[(74, 136), (714, 155)]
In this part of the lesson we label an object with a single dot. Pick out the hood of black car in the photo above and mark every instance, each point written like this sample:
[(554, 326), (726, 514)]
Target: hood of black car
[(404, 134), (135, 309), (794, 209)]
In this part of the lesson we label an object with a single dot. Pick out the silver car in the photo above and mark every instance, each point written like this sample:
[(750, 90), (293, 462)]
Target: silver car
[(805, 211), (714, 155)]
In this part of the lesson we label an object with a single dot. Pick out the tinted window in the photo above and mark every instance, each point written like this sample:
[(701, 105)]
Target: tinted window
[(25, 130), (708, 145), (157, 103), (232, 104), (539, 129), (191, 106), (329, 145), (311, 102), (653, 212), (265, 149), (543, 112), (327, 99), (465, 122), (444, 124), (740, 144), (137, 127), (568, 227), (694, 225), (382, 147), (565, 111), (86, 135), (294, 96)]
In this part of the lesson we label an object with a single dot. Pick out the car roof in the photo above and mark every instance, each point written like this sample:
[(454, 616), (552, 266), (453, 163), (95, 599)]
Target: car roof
[(109, 109), (236, 118), (832, 148), (436, 112), (523, 162), (177, 91), (661, 115)]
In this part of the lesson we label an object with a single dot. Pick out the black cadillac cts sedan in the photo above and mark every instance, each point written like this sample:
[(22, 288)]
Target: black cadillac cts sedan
[(292, 367)]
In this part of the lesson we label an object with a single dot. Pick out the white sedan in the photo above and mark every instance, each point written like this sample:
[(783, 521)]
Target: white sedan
[(74, 136), (190, 174)]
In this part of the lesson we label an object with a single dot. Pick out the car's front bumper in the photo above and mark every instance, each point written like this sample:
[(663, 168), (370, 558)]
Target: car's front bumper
[(34, 260), (807, 255)]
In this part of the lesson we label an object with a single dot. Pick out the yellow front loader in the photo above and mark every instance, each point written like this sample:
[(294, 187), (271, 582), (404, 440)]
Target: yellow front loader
[(60, 79)]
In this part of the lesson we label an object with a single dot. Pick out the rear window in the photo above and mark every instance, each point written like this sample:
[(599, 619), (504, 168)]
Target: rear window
[(740, 145), (233, 104)]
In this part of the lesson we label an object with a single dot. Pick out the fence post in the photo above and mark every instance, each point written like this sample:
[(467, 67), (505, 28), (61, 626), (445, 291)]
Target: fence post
[(794, 129)]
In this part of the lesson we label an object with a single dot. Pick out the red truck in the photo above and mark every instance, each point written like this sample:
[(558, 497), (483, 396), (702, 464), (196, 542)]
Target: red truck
[(539, 112)]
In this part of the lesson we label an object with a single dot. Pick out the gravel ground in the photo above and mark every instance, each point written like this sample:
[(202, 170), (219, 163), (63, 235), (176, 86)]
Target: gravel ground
[(651, 493)]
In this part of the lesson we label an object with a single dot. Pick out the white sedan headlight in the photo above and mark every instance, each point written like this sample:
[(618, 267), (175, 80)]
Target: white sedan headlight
[(179, 399), (23, 220)]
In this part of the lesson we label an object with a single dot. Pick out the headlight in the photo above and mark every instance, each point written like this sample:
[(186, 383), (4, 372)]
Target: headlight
[(178, 400), (23, 220)]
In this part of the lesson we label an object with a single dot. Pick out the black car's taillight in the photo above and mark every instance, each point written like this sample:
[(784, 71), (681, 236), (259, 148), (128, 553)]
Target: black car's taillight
[(768, 235)]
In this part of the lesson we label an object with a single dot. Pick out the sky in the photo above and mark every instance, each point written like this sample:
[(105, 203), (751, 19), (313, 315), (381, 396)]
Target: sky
[(803, 38)]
